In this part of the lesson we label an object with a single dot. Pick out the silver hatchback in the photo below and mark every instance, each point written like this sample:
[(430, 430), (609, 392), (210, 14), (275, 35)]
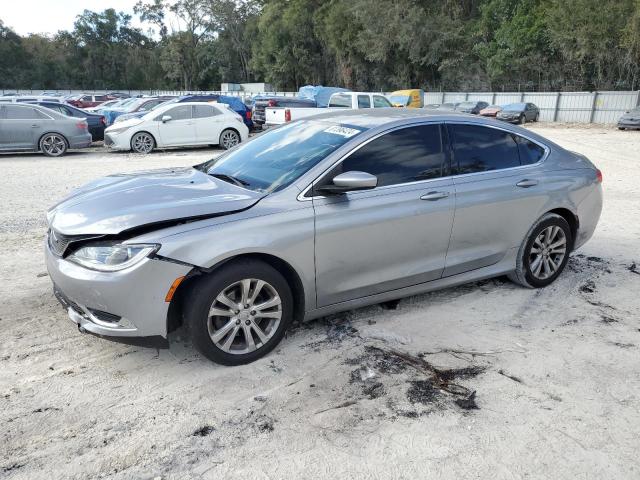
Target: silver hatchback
[(318, 216)]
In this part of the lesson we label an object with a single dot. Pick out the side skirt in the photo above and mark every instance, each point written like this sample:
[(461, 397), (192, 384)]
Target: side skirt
[(505, 266)]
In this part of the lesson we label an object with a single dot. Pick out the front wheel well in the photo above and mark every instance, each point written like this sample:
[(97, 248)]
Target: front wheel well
[(175, 313)]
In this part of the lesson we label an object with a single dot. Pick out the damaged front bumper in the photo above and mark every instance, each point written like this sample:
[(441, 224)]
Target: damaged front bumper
[(127, 304)]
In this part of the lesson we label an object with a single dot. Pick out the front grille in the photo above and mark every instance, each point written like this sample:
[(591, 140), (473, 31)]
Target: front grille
[(58, 242)]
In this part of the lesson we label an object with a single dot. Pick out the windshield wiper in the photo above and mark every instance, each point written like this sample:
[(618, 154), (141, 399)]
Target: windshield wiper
[(230, 179)]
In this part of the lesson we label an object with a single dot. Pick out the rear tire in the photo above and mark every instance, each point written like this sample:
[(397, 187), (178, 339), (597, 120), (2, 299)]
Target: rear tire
[(53, 145), (229, 138), (240, 312), (544, 252)]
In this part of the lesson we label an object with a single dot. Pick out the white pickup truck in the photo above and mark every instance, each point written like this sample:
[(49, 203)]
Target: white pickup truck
[(337, 101)]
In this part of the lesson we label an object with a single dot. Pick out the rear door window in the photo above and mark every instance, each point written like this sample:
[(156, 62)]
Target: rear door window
[(401, 156), (482, 149), (342, 101), (530, 152), (204, 111), (364, 101)]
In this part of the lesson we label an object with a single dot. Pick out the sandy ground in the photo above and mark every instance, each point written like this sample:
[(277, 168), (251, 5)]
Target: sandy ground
[(369, 394)]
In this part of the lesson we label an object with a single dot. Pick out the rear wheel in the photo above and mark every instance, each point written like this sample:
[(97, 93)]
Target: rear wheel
[(229, 139), (240, 312), (544, 252), (53, 145), (142, 142)]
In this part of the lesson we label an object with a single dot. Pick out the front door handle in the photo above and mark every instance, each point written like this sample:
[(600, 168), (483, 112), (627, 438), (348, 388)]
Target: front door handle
[(35, 126), (526, 183), (432, 196)]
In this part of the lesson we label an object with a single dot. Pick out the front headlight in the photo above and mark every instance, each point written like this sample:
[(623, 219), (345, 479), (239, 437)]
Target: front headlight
[(118, 130), (111, 257)]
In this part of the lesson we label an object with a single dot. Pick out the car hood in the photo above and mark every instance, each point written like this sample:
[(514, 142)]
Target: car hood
[(117, 203), (634, 116)]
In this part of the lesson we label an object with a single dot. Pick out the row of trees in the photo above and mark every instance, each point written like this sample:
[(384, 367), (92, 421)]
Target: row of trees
[(361, 44)]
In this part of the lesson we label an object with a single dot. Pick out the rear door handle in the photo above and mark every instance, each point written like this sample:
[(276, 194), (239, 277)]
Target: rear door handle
[(526, 183), (433, 196)]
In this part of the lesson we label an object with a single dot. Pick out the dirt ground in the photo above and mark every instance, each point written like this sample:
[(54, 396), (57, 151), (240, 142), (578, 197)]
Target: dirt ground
[(487, 380)]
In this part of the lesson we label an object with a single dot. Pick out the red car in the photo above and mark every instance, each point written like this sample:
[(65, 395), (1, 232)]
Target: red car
[(86, 101), (490, 111)]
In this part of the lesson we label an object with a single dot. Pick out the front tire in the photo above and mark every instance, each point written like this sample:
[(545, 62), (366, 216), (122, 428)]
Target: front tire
[(53, 145), (240, 312), (523, 119), (229, 139), (143, 142), (544, 252)]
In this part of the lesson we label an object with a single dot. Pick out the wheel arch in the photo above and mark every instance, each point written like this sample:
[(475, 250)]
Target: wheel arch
[(233, 130), (572, 220), (175, 313)]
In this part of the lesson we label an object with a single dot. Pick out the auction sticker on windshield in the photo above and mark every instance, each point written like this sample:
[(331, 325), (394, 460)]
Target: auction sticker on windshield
[(344, 131)]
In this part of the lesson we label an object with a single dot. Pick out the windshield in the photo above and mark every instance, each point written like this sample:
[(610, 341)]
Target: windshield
[(400, 99), (514, 107), (277, 158), (467, 105)]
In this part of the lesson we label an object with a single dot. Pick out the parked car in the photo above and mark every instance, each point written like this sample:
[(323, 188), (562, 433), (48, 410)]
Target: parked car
[(136, 105), (29, 99), (84, 101), (519, 113), (490, 110), (337, 101), (447, 107), (413, 98), (291, 225), (235, 103), (95, 121), (118, 95), (630, 120), (102, 106), (262, 102), (25, 127), (471, 107), (178, 125)]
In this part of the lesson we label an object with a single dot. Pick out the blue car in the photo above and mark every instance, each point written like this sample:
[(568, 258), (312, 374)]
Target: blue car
[(137, 105), (96, 122)]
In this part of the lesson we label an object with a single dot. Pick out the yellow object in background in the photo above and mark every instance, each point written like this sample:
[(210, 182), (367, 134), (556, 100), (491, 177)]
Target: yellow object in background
[(413, 98)]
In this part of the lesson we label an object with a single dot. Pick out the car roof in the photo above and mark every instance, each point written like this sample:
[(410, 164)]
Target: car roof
[(374, 117)]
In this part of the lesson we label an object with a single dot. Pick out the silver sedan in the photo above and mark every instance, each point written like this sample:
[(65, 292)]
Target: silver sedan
[(27, 127), (318, 216)]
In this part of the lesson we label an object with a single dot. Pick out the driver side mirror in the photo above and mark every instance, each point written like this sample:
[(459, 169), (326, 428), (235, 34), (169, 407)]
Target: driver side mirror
[(349, 182), (166, 118)]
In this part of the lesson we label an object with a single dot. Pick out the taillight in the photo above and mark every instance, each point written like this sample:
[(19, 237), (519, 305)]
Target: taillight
[(287, 115), (103, 120), (598, 176), (272, 103), (82, 125), (248, 114)]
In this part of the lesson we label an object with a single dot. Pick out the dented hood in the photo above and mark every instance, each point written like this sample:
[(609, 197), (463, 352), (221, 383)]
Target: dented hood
[(117, 203)]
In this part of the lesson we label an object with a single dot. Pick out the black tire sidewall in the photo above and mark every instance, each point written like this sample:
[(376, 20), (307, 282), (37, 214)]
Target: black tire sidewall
[(553, 221), (204, 291), (223, 132)]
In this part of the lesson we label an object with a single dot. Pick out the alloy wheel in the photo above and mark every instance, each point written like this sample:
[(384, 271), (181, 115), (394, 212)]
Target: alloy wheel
[(142, 143), (547, 252), (244, 316), (54, 145), (229, 139)]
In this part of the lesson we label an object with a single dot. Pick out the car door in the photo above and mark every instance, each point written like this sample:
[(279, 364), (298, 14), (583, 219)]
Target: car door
[(209, 122), (498, 192), (394, 235), (180, 129), (22, 126)]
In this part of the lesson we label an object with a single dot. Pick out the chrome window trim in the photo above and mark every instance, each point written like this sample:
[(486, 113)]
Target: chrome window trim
[(301, 196)]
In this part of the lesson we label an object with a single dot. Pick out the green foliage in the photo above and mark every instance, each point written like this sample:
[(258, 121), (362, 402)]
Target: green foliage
[(361, 44)]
